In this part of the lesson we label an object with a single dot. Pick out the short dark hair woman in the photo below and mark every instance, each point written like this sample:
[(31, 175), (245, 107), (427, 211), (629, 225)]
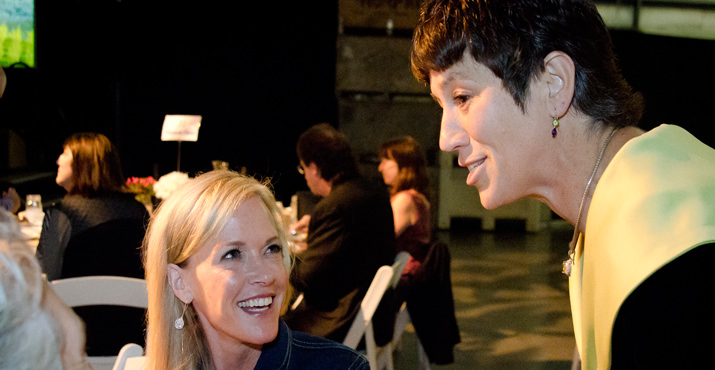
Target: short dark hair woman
[(535, 106)]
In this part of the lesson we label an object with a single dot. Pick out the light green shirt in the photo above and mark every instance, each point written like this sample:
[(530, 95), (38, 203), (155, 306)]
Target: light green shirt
[(654, 202)]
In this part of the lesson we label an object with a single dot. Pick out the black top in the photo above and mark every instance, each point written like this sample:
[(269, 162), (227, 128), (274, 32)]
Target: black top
[(93, 236), (667, 322)]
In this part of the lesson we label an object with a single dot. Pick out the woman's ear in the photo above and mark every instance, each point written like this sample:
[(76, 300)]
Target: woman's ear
[(560, 79), (181, 290)]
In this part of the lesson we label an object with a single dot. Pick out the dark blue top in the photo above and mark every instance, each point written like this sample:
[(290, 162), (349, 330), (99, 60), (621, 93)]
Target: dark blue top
[(292, 350)]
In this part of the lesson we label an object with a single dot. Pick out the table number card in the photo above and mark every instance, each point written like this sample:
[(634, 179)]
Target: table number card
[(180, 128)]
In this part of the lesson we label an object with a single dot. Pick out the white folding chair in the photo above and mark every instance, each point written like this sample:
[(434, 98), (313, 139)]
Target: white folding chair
[(102, 290), (129, 350), (362, 324), (384, 353), (135, 363), (403, 319)]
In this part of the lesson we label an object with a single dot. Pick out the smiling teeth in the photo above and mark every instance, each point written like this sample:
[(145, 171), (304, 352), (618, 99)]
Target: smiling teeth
[(253, 303), (474, 166)]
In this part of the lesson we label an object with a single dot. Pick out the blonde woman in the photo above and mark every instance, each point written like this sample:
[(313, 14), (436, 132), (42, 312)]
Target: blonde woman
[(217, 264)]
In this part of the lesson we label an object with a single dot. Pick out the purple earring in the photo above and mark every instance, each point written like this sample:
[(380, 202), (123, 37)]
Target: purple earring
[(556, 125)]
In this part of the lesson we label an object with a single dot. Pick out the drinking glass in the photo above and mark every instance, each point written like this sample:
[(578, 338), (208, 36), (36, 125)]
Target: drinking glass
[(33, 209)]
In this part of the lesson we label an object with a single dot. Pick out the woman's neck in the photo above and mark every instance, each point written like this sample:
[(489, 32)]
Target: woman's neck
[(621, 137)]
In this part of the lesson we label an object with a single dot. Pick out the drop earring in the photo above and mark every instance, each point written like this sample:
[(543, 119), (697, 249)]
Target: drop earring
[(179, 323), (555, 122)]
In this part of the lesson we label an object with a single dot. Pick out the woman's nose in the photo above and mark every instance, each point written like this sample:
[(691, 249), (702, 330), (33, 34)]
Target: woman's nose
[(451, 134), (259, 272)]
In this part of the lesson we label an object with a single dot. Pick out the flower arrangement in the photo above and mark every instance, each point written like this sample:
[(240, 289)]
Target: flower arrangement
[(168, 183), (143, 187)]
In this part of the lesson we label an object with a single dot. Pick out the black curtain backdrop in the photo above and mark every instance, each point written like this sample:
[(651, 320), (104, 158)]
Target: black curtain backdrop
[(258, 72)]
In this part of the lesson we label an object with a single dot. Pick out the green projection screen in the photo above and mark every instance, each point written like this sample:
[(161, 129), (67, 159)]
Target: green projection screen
[(17, 32)]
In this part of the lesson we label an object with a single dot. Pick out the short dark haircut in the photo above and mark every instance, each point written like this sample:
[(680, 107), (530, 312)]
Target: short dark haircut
[(96, 168), (512, 38), (329, 149), (410, 159)]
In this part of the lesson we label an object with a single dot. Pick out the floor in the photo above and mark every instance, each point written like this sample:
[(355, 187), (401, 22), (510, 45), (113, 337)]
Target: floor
[(511, 299)]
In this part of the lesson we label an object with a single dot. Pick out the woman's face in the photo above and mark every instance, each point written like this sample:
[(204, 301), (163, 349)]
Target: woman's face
[(238, 281), (64, 169), (500, 145), (389, 169)]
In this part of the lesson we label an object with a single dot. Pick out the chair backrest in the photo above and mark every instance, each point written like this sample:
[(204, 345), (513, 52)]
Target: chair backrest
[(363, 320), (102, 290), (128, 351), (119, 291), (135, 363), (400, 262)]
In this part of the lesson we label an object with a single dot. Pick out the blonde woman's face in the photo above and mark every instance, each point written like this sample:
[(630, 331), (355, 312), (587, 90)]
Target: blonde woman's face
[(238, 280)]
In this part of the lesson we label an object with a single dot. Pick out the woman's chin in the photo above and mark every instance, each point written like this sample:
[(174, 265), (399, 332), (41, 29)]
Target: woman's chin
[(489, 200)]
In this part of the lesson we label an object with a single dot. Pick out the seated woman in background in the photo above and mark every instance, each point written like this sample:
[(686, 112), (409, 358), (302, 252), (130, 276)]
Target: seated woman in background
[(425, 284), (37, 329), (97, 229), (217, 264), (97, 211), (403, 168)]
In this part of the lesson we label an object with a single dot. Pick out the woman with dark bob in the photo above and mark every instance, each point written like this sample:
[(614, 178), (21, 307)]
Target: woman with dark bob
[(90, 171), (217, 264), (535, 105)]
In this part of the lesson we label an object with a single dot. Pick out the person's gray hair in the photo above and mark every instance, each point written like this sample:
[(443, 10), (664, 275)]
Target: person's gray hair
[(29, 337)]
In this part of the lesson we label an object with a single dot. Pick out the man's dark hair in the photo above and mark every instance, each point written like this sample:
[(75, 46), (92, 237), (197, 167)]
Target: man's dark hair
[(329, 149)]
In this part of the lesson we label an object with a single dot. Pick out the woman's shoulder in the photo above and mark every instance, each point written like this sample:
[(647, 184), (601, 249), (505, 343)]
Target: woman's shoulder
[(110, 205), (410, 196)]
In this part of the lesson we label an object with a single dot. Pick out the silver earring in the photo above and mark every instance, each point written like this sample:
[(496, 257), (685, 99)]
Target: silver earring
[(179, 323)]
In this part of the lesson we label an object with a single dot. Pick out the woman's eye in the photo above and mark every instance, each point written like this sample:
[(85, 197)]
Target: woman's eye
[(233, 253), (274, 248), (460, 99)]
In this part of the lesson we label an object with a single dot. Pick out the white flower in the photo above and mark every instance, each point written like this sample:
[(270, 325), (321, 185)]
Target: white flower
[(168, 183)]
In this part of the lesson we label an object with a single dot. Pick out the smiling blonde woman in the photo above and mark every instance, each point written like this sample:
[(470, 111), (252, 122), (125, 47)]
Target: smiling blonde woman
[(217, 264)]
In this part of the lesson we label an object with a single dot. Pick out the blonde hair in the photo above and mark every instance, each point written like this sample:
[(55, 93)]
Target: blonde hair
[(181, 225), (29, 336)]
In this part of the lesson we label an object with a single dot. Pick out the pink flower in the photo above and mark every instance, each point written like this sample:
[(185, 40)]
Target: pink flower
[(143, 187)]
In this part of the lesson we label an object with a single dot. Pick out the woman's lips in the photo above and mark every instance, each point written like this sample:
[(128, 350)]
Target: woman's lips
[(472, 177)]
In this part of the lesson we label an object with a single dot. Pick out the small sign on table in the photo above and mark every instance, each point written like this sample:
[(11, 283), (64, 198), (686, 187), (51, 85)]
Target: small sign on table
[(180, 128)]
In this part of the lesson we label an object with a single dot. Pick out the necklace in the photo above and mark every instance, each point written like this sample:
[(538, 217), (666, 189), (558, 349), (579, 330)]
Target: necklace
[(568, 264)]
